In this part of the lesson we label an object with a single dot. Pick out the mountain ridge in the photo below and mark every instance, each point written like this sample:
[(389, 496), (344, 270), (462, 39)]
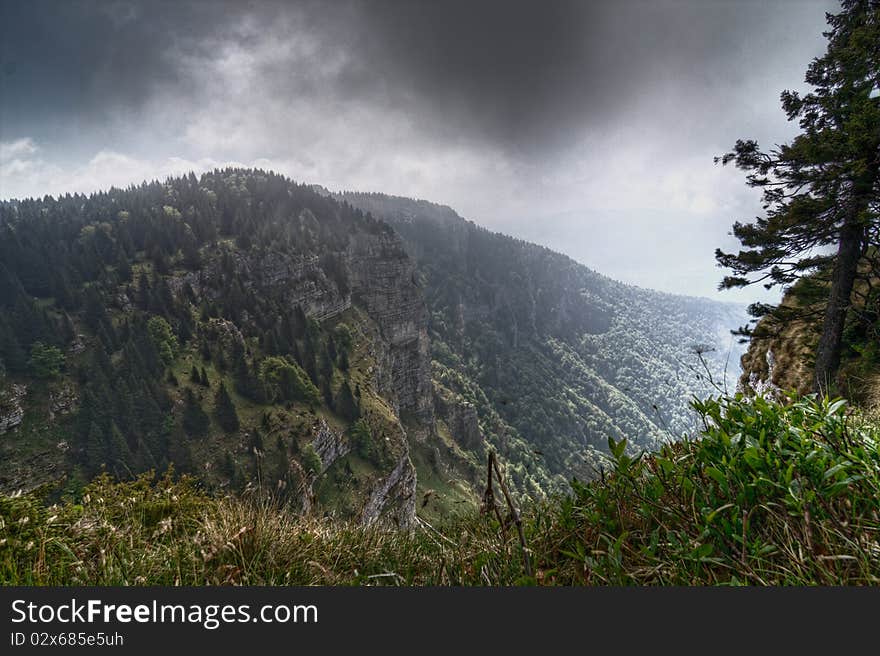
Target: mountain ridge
[(454, 217)]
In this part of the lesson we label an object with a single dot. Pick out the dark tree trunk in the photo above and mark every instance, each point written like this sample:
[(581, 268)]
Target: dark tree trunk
[(842, 280)]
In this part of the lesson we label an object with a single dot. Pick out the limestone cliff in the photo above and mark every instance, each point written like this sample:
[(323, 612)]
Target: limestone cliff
[(374, 272), (12, 407), (383, 282), (461, 418)]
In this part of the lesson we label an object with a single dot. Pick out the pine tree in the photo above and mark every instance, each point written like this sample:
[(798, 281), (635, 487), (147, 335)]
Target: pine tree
[(192, 259), (123, 268), (194, 376), (224, 410), (299, 322), (205, 350), (245, 381), (268, 343), (179, 452), (10, 286), (195, 421), (331, 348), (820, 191), (346, 405), (325, 371), (145, 291)]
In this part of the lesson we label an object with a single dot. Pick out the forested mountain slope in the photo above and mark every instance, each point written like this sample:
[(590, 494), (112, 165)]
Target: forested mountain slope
[(239, 326), (555, 357)]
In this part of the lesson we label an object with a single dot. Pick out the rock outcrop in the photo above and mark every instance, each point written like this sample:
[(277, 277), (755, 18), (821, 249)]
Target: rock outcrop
[(461, 419), (329, 445), (225, 332), (63, 400), (382, 281), (373, 272), (12, 407), (762, 386), (394, 498), (369, 270)]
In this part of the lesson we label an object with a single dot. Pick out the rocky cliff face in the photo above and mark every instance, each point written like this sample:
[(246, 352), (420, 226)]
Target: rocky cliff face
[(373, 272), (12, 407), (298, 277), (395, 496), (382, 278), (554, 357), (461, 418), (330, 446), (779, 357), (63, 400)]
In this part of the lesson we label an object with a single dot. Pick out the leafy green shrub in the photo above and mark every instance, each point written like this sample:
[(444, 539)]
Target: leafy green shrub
[(45, 361), (771, 494), (311, 461), (286, 380)]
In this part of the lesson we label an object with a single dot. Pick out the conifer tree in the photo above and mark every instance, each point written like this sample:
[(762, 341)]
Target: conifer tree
[(118, 452), (346, 405), (224, 410), (195, 420), (821, 192)]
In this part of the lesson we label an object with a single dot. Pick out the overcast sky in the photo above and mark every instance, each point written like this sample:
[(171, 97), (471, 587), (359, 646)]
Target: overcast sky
[(589, 127)]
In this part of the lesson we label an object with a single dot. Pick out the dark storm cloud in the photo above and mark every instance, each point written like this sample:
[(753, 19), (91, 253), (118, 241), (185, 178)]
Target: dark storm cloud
[(521, 74), (531, 73), (506, 70), (70, 57)]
